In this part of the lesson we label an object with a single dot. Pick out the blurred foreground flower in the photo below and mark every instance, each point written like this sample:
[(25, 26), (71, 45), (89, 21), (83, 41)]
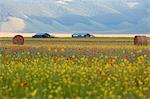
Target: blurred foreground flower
[(5, 97), (33, 93)]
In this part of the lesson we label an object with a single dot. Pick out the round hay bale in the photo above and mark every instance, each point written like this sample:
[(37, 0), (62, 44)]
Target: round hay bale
[(18, 40), (140, 40)]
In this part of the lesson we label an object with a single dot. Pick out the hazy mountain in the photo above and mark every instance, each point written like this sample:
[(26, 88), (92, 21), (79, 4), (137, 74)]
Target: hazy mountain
[(99, 16)]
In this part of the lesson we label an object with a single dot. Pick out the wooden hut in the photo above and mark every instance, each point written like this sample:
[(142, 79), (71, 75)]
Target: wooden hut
[(81, 35), (42, 35)]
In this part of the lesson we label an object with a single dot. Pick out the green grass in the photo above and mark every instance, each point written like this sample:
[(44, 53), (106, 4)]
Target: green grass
[(76, 39)]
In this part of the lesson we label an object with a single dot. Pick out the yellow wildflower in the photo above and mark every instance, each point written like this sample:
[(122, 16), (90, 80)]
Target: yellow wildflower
[(33, 93)]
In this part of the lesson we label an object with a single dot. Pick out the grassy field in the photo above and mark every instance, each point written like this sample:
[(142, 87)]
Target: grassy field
[(98, 68), (78, 39), (74, 41)]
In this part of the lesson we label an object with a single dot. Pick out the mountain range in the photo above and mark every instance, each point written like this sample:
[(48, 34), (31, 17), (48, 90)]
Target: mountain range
[(65, 16)]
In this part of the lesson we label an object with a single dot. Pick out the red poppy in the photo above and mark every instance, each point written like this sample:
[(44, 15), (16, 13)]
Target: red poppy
[(71, 57), (67, 59), (126, 57), (17, 61), (100, 72), (22, 51), (24, 84)]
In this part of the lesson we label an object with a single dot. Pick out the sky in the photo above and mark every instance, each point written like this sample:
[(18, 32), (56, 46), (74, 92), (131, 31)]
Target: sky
[(69, 16)]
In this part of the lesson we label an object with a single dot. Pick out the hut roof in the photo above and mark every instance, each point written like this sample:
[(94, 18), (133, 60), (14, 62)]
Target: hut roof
[(81, 34), (42, 34)]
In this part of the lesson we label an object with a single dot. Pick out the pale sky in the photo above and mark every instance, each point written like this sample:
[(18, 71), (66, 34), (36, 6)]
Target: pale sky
[(98, 16)]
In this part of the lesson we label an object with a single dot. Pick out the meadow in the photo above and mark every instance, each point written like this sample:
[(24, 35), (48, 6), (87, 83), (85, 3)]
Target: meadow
[(97, 68)]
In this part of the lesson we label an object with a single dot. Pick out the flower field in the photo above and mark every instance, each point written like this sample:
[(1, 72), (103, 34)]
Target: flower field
[(74, 71)]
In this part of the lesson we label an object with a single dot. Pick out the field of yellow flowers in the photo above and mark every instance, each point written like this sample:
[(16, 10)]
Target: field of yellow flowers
[(61, 72)]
